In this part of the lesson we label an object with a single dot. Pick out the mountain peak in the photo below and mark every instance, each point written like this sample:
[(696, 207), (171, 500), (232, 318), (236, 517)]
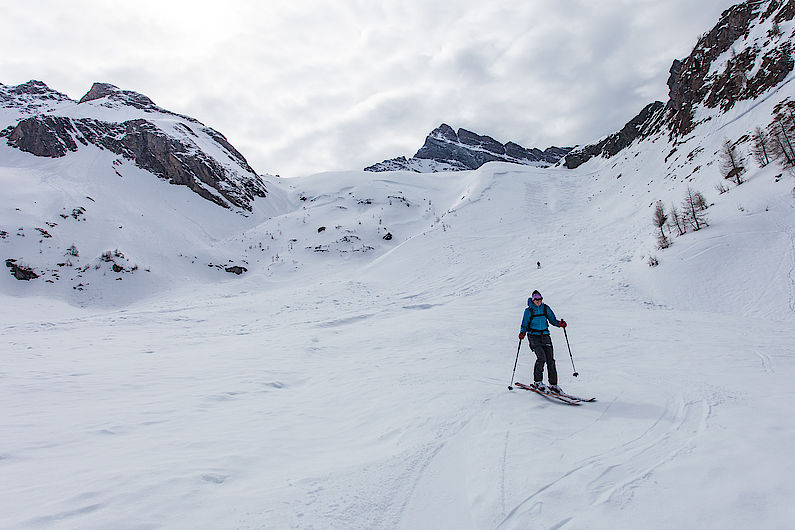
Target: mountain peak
[(179, 149), (114, 93), (31, 98), (32, 88), (444, 132)]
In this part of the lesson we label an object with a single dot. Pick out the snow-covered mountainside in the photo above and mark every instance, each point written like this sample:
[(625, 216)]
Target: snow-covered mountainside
[(46, 123), (728, 122), (103, 197), (355, 375), (447, 150)]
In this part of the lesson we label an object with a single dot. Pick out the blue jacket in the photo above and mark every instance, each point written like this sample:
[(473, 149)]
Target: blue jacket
[(535, 319)]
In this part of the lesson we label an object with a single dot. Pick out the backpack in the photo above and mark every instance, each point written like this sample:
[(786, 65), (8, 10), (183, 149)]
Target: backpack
[(533, 315)]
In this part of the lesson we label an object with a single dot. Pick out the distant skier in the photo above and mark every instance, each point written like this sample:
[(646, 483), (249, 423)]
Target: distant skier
[(538, 264), (534, 325)]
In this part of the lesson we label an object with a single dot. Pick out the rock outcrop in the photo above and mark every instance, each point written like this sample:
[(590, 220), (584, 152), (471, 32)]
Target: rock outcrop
[(20, 272), (638, 127), (178, 149), (114, 94), (729, 64)]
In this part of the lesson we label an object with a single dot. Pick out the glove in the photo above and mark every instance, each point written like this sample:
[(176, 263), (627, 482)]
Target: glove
[(521, 335), (562, 323)]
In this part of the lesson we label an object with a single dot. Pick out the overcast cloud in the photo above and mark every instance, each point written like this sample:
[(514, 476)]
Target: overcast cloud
[(303, 86)]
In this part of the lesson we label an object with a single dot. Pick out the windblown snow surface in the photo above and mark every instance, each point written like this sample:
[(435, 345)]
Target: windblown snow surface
[(352, 381)]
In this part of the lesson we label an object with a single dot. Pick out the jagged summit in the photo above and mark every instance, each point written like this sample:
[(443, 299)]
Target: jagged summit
[(34, 87), (30, 98), (448, 150), (115, 94), (46, 123)]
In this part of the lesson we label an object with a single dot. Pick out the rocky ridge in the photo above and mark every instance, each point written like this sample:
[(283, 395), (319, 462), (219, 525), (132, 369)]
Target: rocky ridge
[(748, 52), (447, 150), (28, 98), (176, 148), (640, 126)]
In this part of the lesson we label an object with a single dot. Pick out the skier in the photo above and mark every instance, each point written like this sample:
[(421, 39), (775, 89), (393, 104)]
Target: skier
[(538, 264), (534, 325)]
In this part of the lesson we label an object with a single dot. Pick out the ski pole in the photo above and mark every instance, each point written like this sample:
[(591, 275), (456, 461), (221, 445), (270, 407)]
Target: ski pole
[(570, 355), (510, 387)]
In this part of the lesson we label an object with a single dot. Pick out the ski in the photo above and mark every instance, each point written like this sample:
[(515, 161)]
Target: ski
[(549, 396), (575, 398)]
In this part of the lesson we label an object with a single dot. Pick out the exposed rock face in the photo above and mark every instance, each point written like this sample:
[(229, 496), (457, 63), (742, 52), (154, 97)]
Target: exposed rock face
[(448, 150), (141, 141), (746, 54), (695, 80), (20, 272), (638, 127), (113, 93), (170, 151), (42, 136)]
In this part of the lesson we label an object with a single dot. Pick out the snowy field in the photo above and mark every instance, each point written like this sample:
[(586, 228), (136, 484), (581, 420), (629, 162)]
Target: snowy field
[(332, 387)]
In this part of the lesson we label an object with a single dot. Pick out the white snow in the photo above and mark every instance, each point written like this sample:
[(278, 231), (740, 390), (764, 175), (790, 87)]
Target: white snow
[(350, 381)]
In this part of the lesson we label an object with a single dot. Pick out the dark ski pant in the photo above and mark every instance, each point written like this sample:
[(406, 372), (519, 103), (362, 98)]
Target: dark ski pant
[(542, 347)]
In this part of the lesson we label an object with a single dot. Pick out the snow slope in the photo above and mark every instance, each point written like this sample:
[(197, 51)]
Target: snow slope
[(355, 376), (150, 228), (348, 381)]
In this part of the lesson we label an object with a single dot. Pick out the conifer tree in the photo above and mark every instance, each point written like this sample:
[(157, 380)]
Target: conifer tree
[(676, 221), (701, 202), (782, 142), (759, 147), (731, 163), (781, 131), (693, 209), (660, 220)]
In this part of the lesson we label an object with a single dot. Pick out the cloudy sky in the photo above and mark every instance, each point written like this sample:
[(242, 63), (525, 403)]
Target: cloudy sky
[(303, 86)]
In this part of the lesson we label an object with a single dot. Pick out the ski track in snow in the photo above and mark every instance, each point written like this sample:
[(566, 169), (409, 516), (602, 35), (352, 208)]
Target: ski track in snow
[(610, 477)]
